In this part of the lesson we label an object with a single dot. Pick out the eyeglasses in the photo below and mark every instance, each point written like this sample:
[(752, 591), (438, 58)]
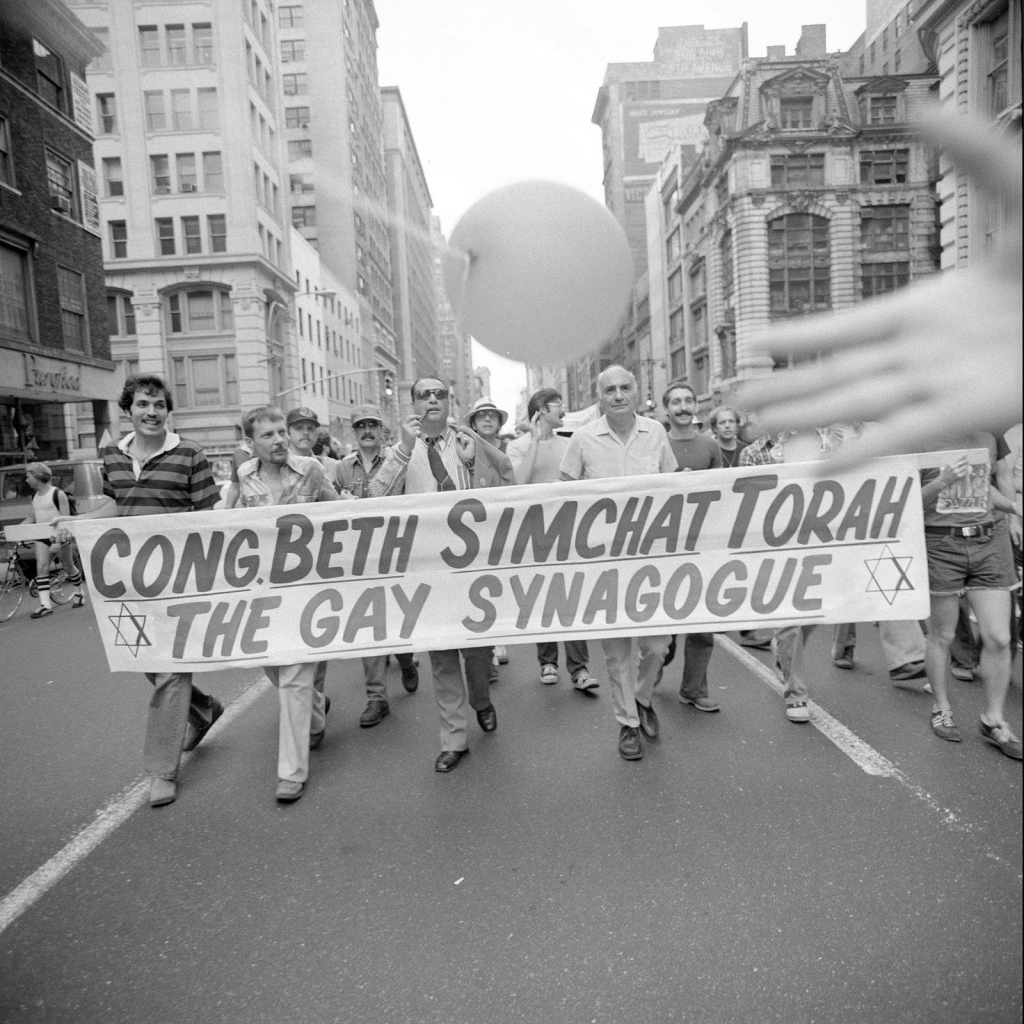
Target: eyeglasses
[(365, 424), (424, 393)]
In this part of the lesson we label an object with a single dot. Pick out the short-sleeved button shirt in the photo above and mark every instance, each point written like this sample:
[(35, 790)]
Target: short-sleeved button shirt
[(304, 482), (595, 450), (176, 479)]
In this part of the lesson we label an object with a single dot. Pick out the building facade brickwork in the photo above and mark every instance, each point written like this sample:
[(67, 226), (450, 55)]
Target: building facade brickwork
[(56, 375)]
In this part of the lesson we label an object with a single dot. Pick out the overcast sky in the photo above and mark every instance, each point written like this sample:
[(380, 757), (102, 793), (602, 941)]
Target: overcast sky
[(501, 91)]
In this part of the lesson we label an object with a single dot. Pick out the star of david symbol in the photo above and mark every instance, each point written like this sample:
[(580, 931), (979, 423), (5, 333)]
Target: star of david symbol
[(888, 574), (131, 630)]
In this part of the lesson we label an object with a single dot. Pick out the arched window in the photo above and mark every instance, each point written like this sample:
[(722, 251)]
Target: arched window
[(799, 264), (199, 311)]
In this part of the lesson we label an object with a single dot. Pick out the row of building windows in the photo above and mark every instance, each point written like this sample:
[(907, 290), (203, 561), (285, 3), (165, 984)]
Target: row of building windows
[(262, 131), (258, 22), (877, 167), (267, 193), (18, 317), (189, 110), (799, 263), (296, 117), (187, 236), (792, 237), (203, 382), (176, 45), (186, 174), (259, 76)]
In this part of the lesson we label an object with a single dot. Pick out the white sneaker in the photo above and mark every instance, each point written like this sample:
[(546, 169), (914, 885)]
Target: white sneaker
[(548, 675), (584, 681), (798, 712), (500, 655)]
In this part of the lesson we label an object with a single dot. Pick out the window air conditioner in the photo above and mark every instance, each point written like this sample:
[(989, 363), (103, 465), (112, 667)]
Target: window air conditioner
[(188, 186), (60, 204), (163, 190)]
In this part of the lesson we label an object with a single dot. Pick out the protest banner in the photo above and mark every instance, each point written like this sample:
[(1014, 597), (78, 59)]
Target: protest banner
[(710, 551)]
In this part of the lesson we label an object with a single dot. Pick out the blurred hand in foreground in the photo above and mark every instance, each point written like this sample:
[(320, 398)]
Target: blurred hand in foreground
[(937, 357)]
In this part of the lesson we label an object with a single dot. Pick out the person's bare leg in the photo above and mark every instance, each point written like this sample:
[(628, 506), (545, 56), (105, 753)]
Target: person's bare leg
[(941, 628), (992, 610)]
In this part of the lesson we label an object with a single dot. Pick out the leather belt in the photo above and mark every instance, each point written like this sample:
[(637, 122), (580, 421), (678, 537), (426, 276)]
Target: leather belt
[(981, 530)]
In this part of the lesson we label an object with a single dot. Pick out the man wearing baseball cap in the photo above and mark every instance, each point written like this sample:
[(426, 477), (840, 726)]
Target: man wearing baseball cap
[(303, 432), (355, 471)]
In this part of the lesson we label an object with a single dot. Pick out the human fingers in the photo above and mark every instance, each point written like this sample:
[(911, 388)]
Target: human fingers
[(866, 399), (777, 397), (867, 322), (909, 429), (993, 160)]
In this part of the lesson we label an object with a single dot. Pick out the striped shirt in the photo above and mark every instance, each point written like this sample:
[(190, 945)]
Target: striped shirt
[(176, 479), (414, 471)]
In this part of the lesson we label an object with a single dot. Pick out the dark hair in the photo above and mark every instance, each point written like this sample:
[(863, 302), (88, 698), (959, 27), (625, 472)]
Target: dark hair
[(428, 376), (262, 412), (718, 410), (673, 385), (540, 400), (148, 383)]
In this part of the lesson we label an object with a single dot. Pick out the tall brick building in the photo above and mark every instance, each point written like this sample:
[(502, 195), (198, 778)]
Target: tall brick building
[(644, 108), (54, 343)]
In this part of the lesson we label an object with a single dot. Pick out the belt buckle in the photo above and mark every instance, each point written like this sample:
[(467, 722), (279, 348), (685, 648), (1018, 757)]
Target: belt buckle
[(971, 531)]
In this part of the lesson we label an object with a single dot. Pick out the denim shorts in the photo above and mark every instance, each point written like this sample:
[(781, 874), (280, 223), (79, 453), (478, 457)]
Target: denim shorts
[(959, 564)]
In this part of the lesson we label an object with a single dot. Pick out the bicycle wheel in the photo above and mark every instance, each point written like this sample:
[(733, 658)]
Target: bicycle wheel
[(12, 591)]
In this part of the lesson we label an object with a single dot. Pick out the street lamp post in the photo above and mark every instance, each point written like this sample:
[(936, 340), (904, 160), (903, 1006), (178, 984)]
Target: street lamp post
[(335, 376)]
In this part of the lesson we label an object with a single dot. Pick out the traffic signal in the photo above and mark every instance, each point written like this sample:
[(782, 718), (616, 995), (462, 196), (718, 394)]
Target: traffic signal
[(389, 384)]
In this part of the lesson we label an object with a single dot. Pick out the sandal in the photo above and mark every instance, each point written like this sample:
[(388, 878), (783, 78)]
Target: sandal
[(77, 600), (40, 613)]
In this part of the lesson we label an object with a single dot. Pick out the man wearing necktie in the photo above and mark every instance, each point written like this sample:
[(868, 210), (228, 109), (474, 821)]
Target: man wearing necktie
[(434, 456)]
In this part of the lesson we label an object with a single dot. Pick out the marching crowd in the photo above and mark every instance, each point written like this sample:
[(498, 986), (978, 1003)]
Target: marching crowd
[(974, 552)]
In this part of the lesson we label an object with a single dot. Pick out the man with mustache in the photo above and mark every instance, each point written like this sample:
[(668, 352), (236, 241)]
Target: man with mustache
[(355, 471), (277, 476)]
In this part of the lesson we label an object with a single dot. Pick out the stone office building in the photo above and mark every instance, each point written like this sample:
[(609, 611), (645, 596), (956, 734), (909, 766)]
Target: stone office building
[(54, 344), (812, 194)]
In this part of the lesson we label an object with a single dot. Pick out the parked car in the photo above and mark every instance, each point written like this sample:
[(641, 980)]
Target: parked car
[(80, 478)]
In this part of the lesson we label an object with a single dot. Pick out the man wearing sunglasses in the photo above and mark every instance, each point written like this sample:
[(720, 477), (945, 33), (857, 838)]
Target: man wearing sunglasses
[(435, 456), (355, 472)]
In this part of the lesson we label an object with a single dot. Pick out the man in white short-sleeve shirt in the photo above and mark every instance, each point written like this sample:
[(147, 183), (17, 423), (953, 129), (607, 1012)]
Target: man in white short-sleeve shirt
[(621, 443)]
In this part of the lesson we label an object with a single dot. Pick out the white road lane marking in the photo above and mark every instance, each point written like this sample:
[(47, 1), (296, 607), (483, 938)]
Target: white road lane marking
[(862, 754), (107, 820)]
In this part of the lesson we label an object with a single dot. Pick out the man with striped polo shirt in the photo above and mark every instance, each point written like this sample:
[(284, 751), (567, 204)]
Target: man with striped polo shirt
[(149, 472)]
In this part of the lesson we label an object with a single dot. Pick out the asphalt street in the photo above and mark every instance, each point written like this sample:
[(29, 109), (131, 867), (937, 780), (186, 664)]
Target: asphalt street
[(746, 870)]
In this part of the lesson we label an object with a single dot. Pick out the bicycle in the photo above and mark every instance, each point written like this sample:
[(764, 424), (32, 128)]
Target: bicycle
[(16, 576)]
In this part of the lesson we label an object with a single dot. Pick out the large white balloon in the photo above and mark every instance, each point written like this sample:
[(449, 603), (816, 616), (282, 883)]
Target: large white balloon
[(548, 274)]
